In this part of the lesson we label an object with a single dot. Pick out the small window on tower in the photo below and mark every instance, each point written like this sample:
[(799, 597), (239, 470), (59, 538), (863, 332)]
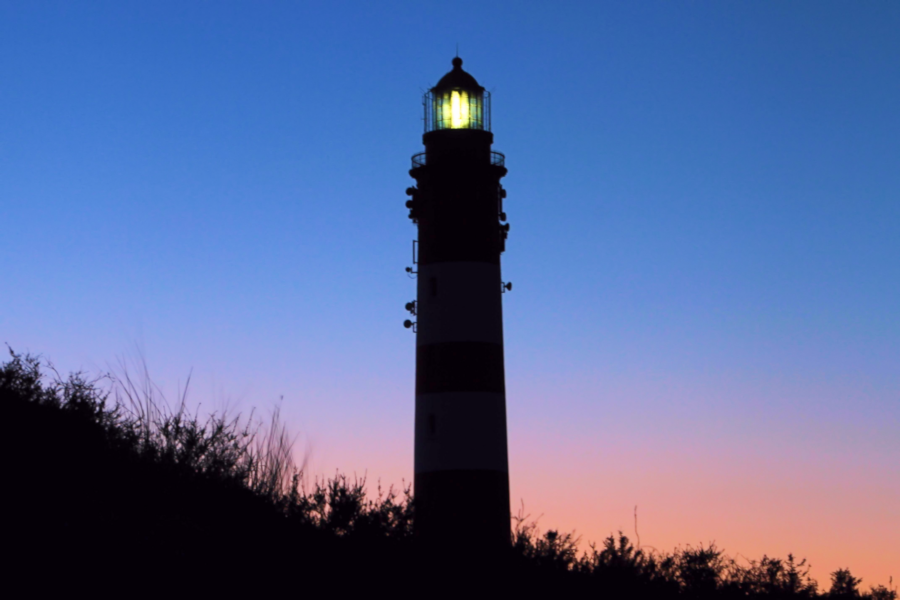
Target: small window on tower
[(434, 286)]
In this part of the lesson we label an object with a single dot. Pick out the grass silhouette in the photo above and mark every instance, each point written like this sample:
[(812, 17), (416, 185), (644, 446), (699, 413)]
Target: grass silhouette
[(112, 490)]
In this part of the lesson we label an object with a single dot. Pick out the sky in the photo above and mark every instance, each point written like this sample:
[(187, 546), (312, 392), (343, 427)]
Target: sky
[(705, 245)]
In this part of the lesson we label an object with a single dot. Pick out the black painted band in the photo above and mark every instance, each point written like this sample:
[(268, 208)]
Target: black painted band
[(459, 367)]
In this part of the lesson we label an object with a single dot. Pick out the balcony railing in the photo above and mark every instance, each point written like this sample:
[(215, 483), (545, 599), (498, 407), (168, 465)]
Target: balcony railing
[(497, 159)]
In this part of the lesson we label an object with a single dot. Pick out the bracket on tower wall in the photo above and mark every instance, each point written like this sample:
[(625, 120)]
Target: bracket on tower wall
[(411, 204), (411, 270)]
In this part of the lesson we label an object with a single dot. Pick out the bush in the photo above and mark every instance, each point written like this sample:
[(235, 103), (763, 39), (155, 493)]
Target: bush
[(107, 475)]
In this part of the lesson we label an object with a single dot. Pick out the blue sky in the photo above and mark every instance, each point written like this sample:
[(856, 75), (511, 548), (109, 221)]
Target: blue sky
[(704, 198)]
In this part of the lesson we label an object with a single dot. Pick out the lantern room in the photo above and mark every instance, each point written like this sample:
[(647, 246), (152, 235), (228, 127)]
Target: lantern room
[(457, 102)]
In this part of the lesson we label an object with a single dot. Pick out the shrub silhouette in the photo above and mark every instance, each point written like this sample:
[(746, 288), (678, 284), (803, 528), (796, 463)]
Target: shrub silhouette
[(111, 478), (844, 585), (112, 490)]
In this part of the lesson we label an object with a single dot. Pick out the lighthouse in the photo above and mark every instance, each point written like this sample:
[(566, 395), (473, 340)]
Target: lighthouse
[(461, 465)]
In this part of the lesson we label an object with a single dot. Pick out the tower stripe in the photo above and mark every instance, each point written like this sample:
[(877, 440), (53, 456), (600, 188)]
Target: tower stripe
[(459, 302), (461, 430), (459, 367)]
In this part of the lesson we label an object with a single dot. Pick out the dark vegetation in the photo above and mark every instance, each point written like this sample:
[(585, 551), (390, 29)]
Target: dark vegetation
[(114, 491)]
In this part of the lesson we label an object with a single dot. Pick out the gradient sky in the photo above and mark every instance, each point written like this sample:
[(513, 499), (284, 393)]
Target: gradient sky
[(705, 241)]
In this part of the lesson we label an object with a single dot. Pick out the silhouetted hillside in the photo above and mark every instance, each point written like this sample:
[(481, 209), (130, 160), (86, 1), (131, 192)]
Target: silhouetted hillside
[(116, 493)]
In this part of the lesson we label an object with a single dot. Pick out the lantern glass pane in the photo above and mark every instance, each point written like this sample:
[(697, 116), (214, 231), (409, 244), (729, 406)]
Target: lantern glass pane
[(464, 116), (457, 109), (445, 110)]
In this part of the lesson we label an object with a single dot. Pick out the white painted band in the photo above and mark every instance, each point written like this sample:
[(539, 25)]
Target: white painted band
[(461, 430), (459, 302)]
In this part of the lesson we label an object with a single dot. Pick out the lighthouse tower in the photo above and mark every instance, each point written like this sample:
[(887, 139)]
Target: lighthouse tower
[(461, 466)]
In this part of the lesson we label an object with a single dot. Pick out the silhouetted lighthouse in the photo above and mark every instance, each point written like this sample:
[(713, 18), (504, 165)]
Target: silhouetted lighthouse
[(461, 466)]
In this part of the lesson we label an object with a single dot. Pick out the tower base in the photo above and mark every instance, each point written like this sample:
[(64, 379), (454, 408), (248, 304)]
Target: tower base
[(463, 514)]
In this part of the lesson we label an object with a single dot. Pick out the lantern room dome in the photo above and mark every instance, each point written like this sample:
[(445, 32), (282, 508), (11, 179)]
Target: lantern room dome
[(457, 102), (457, 79)]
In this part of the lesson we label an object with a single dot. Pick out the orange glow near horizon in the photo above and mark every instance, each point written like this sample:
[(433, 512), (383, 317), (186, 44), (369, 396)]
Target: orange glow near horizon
[(813, 493), (838, 514), (764, 511)]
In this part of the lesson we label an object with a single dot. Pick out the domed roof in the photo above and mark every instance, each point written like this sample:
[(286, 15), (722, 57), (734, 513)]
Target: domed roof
[(457, 78)]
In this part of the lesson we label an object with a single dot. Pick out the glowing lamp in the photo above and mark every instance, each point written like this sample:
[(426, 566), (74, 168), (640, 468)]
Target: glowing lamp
[(457, 102)]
